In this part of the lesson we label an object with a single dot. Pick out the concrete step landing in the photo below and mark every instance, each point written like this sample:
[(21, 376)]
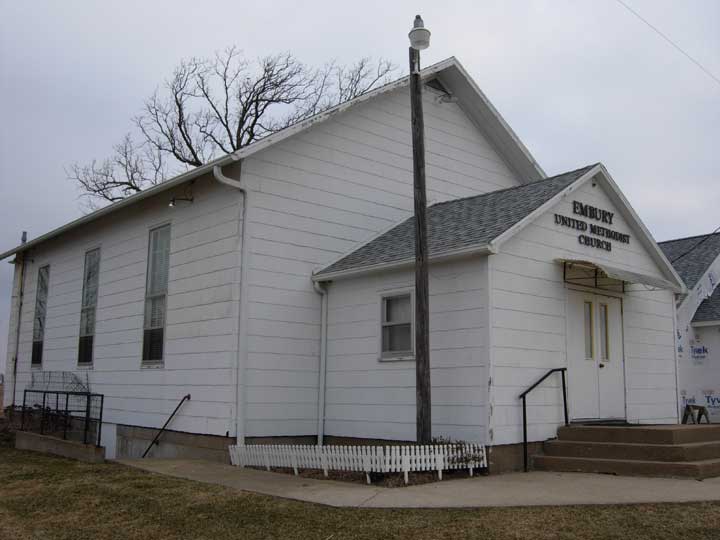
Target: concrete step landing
[(692, 469), (665, 451)]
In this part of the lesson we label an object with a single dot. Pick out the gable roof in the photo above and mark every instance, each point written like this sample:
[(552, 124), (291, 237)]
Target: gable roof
[(709, 310), (457, 225), (692, 256), (449, 72)]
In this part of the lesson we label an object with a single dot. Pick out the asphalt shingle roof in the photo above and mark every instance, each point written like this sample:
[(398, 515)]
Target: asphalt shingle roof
[(709, 310), (695, 262), (458, 224)]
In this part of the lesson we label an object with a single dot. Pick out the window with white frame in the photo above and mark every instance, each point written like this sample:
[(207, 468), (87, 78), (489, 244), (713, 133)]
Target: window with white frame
[(397, 335), (156, 295), (87, 310), (41, 296)]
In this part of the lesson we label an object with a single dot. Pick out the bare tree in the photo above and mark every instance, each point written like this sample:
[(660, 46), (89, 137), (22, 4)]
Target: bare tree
[(130, 169), (216, 106)]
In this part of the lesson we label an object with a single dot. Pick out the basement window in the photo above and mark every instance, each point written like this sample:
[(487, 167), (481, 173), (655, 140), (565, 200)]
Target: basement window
[(41, 296), (156, 295), (396, 326)]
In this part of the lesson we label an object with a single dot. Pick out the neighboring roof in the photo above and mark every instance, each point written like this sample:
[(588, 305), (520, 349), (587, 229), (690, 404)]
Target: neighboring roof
[(709, 310), (458, 224), (692, 262), (453, 77)]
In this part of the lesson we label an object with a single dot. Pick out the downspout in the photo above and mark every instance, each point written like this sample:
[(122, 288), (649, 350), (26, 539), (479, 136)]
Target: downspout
[(322, 291), (239, 372), (21, 294)]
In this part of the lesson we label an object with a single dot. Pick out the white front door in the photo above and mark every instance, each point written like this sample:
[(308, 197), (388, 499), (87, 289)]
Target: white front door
[(596, 381)]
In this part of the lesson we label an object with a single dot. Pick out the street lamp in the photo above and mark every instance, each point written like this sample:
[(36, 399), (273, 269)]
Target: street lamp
[(419, 40), (419, 35)]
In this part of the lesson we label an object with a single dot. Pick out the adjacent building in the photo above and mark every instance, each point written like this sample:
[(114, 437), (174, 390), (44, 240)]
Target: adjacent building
[(697, 260)]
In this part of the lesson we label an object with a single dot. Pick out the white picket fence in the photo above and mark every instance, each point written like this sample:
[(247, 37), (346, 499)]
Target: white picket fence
[(367, 459)]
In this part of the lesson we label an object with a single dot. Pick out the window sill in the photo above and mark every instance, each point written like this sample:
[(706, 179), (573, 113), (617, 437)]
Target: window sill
[(398, 358), (36, 367), (85, 367), (152, 365)]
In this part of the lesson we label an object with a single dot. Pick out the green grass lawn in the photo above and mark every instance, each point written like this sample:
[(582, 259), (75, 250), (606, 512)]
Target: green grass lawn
[(43, 497)]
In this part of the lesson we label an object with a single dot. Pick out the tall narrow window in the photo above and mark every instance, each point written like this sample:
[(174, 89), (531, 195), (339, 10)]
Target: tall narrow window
[(156, 294), (41, 296), (397, 325), (604, 333), (87, 310), (589, 331)]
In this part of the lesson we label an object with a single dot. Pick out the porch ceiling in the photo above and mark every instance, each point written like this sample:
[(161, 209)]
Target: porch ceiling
[(620, 274)]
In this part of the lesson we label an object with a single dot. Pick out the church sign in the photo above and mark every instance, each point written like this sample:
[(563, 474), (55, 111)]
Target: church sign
[(594, 232)]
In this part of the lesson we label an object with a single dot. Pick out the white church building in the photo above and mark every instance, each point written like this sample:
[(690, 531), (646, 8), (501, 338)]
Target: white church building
[(280, 297)]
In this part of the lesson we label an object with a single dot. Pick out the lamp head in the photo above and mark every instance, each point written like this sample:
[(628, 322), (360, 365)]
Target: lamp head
[(419, 35)]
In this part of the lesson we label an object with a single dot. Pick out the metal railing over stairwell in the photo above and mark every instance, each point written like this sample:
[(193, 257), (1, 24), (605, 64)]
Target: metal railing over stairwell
[(523, 397), (162, 429)]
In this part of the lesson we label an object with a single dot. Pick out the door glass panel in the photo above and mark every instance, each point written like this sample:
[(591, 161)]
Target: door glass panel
[(589, 338), (604, 337)]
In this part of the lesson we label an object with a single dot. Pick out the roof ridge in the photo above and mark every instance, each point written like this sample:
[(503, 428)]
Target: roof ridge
[(479, 195), (689, 237)]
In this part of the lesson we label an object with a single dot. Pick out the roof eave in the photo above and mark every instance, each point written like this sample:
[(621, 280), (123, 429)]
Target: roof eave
[(509, 146), (483, 249), (489, 120), (238, 155), (532, 216), (655, 251), (137, 197), (700, 324)]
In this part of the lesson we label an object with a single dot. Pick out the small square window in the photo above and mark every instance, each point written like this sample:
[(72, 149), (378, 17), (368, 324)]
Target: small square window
[(397, 335)]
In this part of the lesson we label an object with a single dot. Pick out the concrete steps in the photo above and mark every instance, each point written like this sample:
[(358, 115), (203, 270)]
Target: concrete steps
[(683, 450), (693, 469), (664, 434)]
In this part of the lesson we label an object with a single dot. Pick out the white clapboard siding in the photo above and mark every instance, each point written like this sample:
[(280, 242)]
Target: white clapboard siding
[(650, 356), (312, 198), (202, 315), (371, 398), (367, 459), (528, 299), (315, 197)]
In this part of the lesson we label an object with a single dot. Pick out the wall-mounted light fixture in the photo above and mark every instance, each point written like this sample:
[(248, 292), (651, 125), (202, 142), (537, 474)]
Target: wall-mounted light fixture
[(446, 98), (186, 198)]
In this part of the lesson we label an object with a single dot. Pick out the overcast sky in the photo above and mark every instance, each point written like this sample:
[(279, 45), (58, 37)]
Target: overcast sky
[(579, 82)]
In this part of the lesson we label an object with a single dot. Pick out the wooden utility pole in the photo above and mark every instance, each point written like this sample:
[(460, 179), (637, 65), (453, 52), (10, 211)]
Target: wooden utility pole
[(422, 319)]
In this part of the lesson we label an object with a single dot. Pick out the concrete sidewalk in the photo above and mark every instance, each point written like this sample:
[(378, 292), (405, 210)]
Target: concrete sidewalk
[(517, 489)]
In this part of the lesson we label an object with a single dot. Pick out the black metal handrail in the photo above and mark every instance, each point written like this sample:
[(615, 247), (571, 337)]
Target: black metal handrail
[(157, 435), (523, 396)]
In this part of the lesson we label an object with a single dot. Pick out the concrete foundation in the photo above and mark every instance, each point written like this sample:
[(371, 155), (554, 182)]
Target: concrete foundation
[(25, 440), (299, 439), (507, 458), (131, 442)]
